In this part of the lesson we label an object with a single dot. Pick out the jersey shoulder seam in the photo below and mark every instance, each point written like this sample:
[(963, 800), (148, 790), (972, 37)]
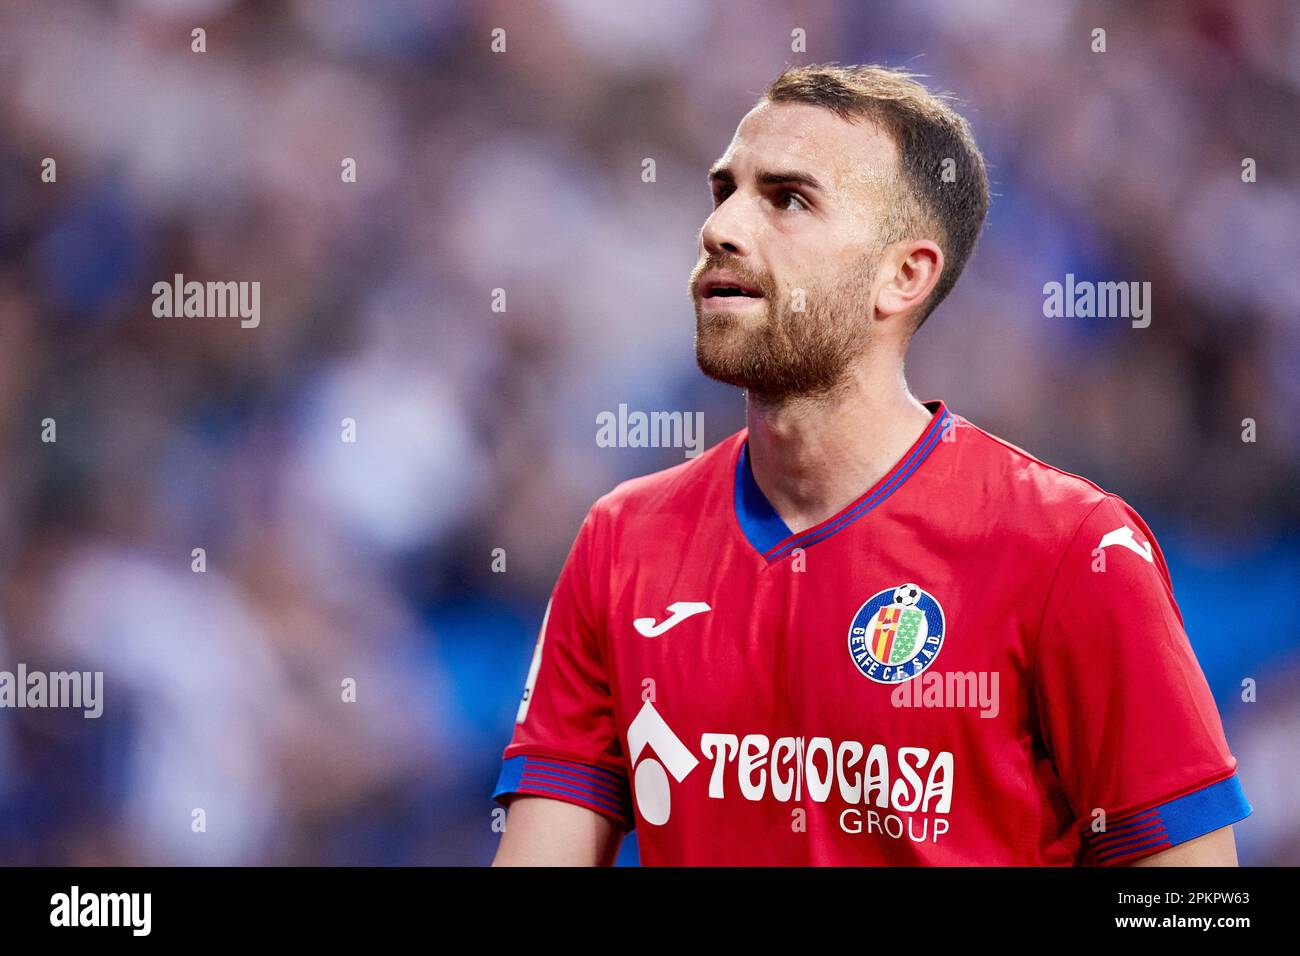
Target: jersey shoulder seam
[(1019, 452)]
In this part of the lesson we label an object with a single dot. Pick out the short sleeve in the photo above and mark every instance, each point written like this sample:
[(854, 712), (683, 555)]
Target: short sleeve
[(1126, 712), (565, 743)]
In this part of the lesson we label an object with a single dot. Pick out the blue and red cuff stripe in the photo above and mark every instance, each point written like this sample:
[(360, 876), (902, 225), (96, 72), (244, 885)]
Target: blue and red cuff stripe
[(1171, 823), (587, 785)]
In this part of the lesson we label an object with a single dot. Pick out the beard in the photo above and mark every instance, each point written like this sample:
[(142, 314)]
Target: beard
[(775, 353)]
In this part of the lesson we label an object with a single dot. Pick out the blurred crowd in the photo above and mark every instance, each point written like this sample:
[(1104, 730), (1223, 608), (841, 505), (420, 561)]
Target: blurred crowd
[(376, 560)]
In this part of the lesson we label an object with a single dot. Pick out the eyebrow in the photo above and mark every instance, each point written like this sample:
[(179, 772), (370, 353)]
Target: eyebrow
[(768, 177)]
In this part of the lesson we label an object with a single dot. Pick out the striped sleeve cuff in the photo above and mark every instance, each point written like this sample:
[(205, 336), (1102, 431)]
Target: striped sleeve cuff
[(587, 785), (1168, 824)]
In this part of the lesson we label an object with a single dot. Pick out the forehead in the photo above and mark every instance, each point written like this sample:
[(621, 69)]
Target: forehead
[(845, 156)]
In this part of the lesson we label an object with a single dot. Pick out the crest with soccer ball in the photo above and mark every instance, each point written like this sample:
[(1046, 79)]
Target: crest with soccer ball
[(896, 634)]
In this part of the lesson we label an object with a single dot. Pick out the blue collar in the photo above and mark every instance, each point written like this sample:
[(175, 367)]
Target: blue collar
[(772, 537)]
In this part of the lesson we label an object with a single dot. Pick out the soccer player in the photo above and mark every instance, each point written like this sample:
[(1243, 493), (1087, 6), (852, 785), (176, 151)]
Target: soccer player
[(861, 631)]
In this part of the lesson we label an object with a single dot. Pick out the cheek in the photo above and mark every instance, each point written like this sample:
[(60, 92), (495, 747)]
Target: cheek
[(816, 276)]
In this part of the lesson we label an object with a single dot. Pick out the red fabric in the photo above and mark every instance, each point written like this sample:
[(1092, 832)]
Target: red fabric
[(757, 701)]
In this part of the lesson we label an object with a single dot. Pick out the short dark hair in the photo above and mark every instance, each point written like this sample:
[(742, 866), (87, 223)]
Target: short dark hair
[(928, 131)]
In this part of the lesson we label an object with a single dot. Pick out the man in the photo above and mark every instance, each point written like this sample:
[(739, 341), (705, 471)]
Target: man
[(861, 631)]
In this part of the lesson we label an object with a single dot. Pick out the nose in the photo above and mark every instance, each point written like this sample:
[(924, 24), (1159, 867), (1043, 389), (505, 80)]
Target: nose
[(726, 229)]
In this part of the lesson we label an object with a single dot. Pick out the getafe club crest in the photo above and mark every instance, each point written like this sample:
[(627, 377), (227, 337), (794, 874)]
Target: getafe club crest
[(896, 634)]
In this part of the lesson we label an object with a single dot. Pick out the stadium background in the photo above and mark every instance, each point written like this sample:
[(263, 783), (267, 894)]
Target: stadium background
[(476, 429)]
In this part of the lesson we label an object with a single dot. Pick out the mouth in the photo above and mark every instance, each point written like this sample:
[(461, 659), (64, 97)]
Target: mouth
[(730, 292), (727, 289)]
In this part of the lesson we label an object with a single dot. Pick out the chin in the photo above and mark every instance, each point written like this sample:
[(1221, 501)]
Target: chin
[(717, 366), (730, 363)]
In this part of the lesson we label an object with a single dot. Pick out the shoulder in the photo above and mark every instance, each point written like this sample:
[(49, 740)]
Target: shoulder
[(680, 489), (1028, 487), (1036, 501), (1065, 528), (665, 510), (665, 507)]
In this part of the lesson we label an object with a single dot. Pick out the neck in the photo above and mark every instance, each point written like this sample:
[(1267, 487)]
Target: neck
[(812, 456)]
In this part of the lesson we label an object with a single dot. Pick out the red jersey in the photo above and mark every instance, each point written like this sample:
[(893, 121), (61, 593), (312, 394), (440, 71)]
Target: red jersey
[(978, 661)]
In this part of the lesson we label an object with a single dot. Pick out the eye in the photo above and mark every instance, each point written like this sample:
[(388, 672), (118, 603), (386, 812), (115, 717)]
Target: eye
[(719, 195), (786, 196)]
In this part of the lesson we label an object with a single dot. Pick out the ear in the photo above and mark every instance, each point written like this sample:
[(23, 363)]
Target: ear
[(917, 264)]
